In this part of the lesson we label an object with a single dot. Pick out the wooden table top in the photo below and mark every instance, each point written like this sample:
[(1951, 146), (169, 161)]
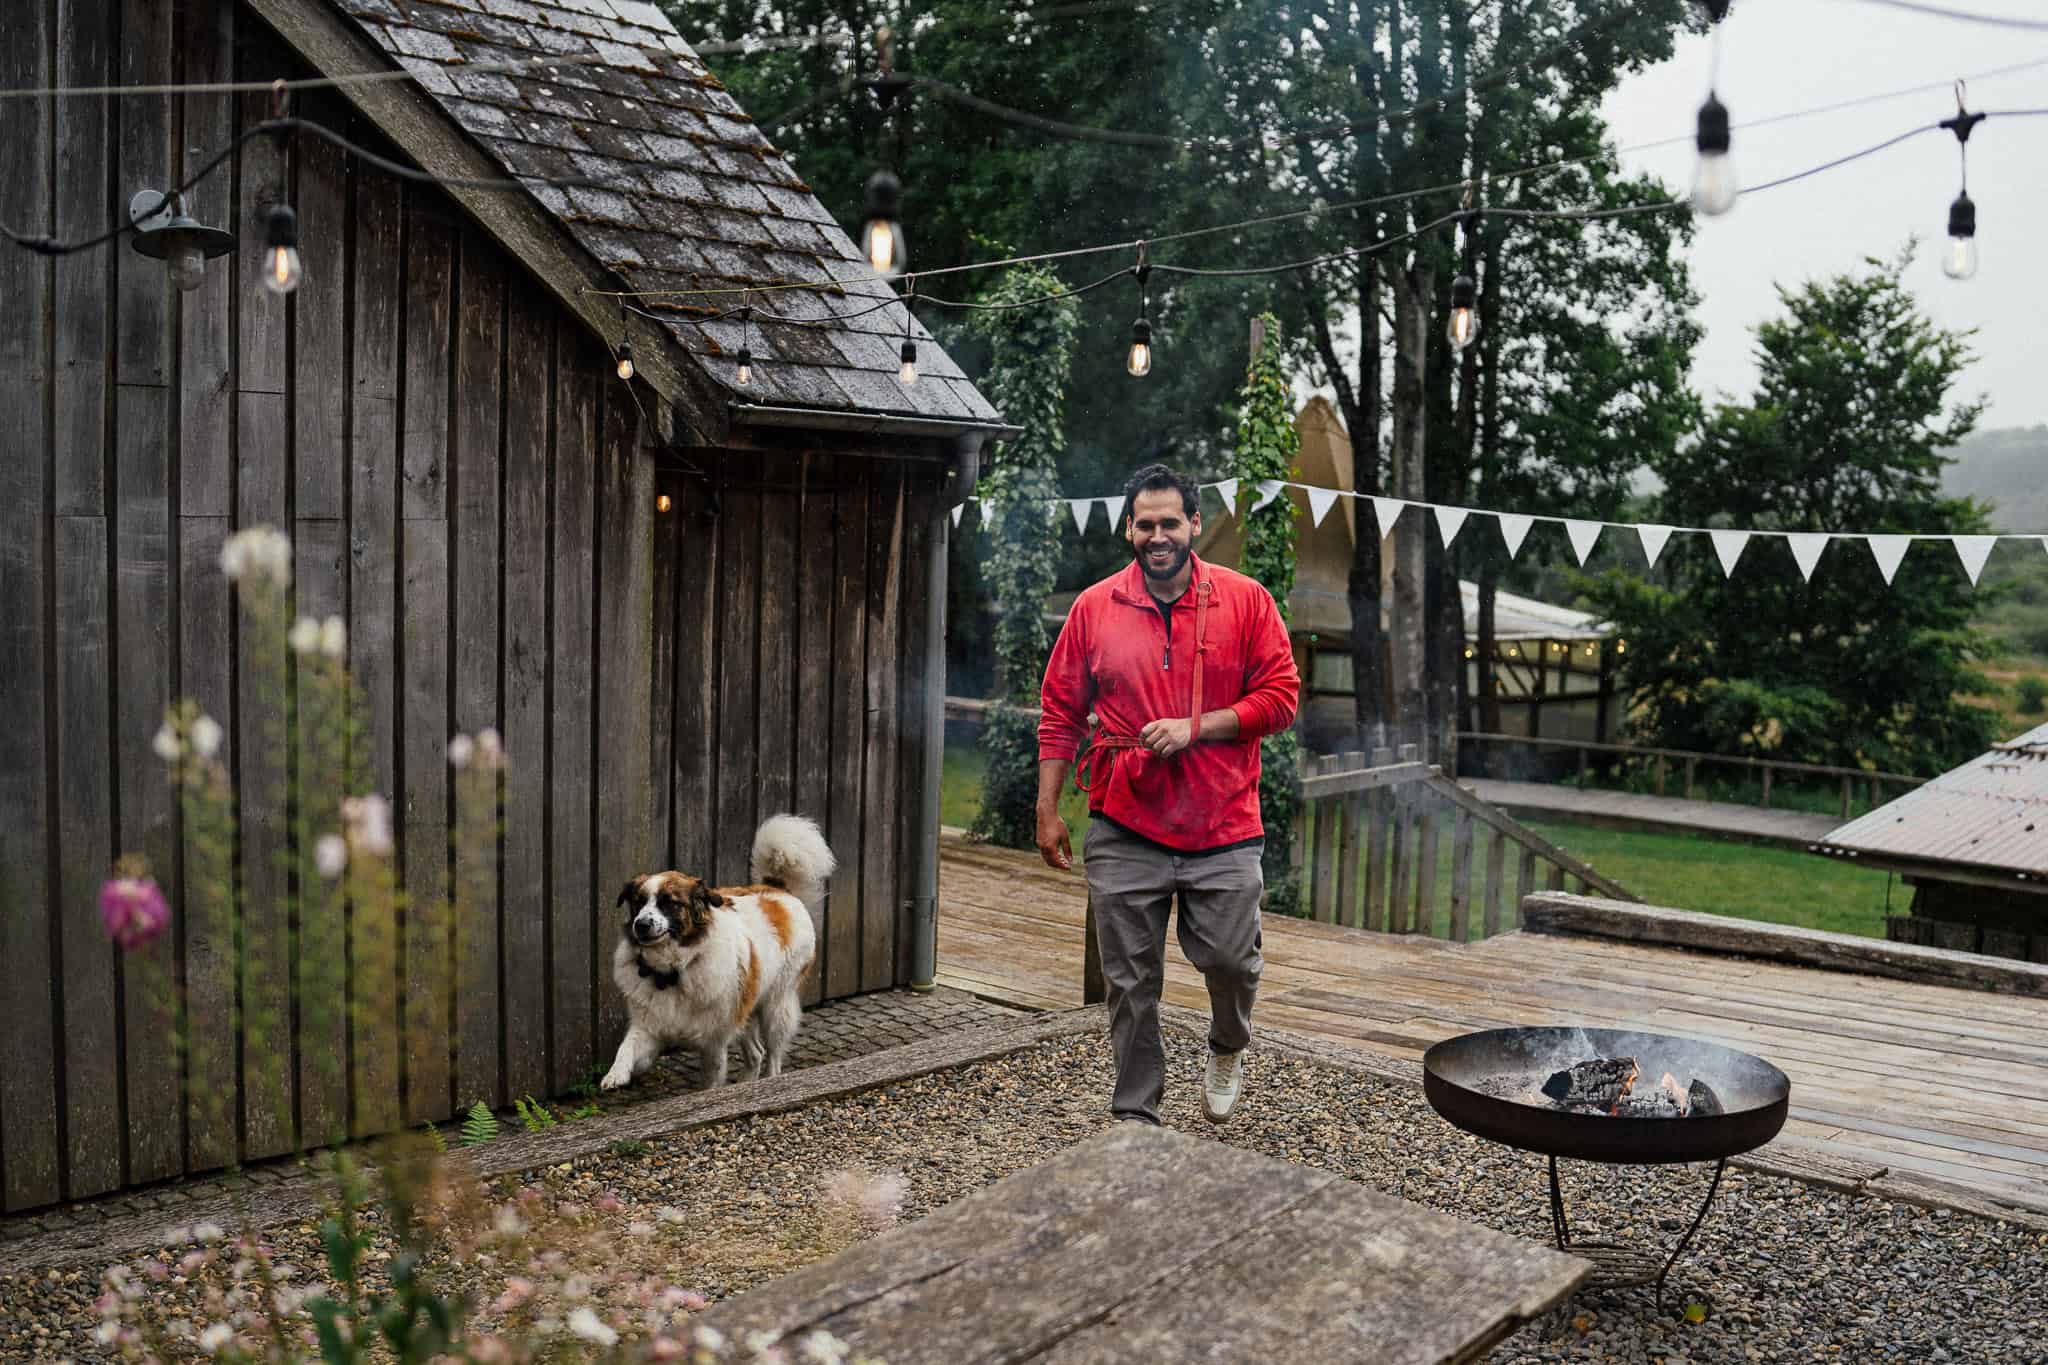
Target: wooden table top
[(1145, 1244)]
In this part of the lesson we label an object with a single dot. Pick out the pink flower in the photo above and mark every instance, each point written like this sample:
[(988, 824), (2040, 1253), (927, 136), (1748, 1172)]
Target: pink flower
[(133, 910)]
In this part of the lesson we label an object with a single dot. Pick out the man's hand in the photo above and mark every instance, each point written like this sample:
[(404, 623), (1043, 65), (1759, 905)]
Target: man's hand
[(1167, 737), (1052, 839)]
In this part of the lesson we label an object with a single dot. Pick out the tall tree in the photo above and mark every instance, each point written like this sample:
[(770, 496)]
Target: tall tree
[(1267, 447), (1031, 356), (1852, 415)]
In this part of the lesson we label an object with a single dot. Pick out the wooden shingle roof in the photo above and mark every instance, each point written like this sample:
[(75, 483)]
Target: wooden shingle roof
[(685, 193)]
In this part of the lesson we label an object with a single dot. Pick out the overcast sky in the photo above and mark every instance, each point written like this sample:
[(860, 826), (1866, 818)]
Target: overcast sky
[(1783, 55)]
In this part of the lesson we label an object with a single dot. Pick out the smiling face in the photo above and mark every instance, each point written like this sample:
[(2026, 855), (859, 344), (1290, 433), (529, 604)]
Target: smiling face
[(1161, 533), (667, 905)]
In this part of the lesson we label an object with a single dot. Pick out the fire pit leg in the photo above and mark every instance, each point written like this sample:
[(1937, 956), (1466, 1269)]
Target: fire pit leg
[(1621, 1266), (1558, 1226), (1720, 1167)]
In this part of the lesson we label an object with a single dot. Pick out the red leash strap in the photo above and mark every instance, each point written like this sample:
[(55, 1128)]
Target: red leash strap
[(1103, 743)]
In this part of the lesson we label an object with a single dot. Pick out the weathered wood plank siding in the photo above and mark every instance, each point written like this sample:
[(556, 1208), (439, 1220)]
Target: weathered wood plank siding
[(797, 680), (472, 492)]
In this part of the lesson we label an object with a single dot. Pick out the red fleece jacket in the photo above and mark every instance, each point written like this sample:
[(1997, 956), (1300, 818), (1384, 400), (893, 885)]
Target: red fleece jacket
[(1113, 657)]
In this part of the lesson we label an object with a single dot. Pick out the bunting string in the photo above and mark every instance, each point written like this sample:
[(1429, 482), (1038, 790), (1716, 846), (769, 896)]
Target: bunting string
[(1888, 549)]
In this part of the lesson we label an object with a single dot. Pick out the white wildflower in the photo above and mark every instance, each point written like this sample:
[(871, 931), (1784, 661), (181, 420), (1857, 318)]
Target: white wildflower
[(508, 1222), (761, 1343), (669, 1214), (368, 820), (490, 748), (206, 736), (168, 746), (822, 1348), (215, 1337), (330, 855), (591, 1327), (105, 1333), (710, 1338), (334, 638), (262, 550), (460, 750), (304, 636), (206, 1234), (639, 1229)]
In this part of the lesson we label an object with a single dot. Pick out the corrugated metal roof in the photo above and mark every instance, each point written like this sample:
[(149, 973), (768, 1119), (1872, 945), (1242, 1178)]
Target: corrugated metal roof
[(1991, 813), (686, 192)]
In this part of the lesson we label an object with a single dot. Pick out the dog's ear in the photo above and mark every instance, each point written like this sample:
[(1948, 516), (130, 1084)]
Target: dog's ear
[(703, 898), (630, 892)]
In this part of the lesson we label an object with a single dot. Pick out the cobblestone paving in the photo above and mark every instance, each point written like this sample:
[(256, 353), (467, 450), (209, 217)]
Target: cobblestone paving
[(832, 1032)]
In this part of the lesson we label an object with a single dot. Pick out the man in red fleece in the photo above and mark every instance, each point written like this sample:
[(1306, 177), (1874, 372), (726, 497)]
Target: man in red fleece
[(1186, 666)]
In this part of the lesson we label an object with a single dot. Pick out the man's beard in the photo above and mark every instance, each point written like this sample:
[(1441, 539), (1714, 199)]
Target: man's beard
[(1173, 567)]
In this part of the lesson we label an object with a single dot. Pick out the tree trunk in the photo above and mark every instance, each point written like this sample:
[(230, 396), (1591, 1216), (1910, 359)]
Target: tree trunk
[(1413, 290)]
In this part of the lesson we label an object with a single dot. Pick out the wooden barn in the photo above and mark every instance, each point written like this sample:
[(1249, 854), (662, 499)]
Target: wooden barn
[(686, 601)]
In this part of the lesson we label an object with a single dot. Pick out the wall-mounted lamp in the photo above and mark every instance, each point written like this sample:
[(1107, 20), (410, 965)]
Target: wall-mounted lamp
[(166, 233)]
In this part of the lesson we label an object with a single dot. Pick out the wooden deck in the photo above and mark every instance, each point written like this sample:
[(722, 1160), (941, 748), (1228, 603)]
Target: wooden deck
[(1636, 810), (1912, 1091)]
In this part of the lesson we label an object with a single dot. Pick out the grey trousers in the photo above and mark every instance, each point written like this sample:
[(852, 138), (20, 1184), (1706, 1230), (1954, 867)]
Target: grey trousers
[(1133, 886)]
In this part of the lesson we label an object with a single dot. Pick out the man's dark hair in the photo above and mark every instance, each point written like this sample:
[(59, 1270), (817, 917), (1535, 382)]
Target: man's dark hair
[(1154, 478)]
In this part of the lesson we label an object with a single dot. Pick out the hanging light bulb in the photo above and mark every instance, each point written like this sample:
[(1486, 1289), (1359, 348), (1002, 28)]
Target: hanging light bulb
[(1714, 186), (663, 503), (1462, 327), (625, 360), (745, 373), (1959, 261), (1139, 362), (908, 374), (1959, 258), (281, 268), (881, 241)]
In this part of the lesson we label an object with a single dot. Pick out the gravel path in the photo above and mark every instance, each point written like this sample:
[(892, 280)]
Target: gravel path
[(1793, 1273)]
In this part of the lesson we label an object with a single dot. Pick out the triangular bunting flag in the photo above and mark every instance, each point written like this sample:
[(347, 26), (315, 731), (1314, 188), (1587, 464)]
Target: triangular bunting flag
[(1514, 529), (1728, 548), (1584, 535), (1387, 511), (1888, 551), (1113, 508), (1653, 538), (1973, 550), (1806, 548), (1227, 490), (1320, 501), (958, 508), (1448, 520), (1269, 489), (1079, 507)]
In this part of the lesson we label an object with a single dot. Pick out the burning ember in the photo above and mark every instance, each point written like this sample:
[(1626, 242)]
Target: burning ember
[(1609, 1085)]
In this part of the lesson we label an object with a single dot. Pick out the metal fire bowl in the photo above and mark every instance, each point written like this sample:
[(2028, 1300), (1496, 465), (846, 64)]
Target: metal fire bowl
[(1754, 1093)]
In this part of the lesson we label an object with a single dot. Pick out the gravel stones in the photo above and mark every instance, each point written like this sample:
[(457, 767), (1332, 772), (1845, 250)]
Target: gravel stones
[(1787, 1271)]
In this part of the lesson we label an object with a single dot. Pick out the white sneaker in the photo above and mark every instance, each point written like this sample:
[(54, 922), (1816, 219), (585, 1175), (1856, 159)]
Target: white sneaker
[(1223, 1084)]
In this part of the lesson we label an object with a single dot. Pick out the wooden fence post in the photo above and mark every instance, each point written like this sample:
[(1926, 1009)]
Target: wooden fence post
[(1379, 805), (1660, 774), (1691, 764), (1767, 787), (1323, 863), (1349, 832), (1845, 798)]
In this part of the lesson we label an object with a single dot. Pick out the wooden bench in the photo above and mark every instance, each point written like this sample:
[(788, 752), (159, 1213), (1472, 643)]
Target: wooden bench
[(1146, 1245)]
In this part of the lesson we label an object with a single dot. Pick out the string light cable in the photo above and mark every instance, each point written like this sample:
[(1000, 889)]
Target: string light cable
[(130, 220)]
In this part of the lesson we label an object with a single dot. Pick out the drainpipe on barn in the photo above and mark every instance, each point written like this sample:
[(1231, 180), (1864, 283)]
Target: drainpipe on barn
[(924, 872)]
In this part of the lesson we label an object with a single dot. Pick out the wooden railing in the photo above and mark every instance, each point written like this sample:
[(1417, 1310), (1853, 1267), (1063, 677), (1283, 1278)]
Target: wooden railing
[(1660, 762), (1369, 851)]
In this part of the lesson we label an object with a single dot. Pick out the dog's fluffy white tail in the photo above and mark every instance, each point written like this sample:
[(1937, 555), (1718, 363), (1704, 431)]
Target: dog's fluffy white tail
[(791, 850)]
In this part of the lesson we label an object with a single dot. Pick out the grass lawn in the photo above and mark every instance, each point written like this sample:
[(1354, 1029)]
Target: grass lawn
[(1683, 871)]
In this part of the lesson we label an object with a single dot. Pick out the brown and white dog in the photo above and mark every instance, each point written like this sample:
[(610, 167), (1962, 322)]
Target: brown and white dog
[(705, 965)]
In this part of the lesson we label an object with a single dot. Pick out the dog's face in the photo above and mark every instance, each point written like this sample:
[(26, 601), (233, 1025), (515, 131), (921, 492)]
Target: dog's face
[(665, 905)]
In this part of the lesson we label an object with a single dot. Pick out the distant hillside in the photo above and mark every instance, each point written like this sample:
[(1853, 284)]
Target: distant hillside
[(2009, 469)]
